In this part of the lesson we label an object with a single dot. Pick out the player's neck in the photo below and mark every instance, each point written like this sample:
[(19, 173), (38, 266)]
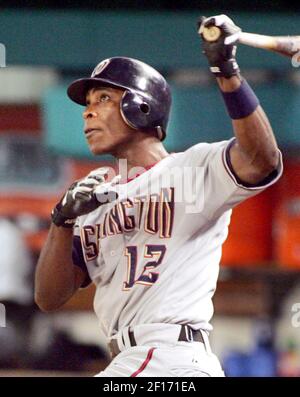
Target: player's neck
[(143, 153)]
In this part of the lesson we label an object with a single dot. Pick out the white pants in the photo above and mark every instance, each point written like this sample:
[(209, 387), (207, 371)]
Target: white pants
[(159, 354)]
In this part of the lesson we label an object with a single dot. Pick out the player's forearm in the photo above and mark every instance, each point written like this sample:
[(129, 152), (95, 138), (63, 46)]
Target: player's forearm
[(254, 133), (256, 153), (55, 277)]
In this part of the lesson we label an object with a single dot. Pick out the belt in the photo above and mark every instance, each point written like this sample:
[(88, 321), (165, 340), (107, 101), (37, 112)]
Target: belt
[(187, 334)]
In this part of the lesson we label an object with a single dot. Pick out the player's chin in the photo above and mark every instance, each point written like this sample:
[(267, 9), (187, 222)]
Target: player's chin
[(98, 149)]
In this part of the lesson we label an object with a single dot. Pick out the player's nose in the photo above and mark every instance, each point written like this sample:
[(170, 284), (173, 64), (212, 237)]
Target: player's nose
[(89, 113)]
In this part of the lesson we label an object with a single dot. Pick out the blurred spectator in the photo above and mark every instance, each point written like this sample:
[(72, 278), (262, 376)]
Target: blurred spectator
[(16, 293), (260, 360), (15, 265)]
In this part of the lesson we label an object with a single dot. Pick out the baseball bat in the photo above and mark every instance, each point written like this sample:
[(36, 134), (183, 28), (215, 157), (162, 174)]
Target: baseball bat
[(284, 45)]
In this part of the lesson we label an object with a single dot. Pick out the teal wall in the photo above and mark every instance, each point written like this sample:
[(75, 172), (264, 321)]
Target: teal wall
[(79, 39), (198, 114)]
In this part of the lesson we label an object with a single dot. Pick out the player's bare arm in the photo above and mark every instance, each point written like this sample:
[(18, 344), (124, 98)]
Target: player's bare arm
[(57, 277), (254, 155)]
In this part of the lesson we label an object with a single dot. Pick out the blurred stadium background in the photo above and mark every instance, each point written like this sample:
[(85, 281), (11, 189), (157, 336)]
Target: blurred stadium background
[(42, 150)]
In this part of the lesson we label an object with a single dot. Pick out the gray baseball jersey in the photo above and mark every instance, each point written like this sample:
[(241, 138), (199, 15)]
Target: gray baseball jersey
[(154, 253)]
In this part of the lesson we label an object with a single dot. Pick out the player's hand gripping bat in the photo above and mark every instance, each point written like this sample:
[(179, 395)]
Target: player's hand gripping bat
[(284, 45)]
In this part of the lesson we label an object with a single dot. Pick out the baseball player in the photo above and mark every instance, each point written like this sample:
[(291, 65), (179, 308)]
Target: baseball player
[(151, 243)]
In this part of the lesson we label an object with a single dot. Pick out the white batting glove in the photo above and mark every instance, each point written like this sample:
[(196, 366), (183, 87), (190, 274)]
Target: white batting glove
[(80, 198)]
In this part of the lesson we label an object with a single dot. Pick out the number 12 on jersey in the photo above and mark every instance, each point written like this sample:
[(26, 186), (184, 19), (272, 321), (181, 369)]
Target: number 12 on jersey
[(146, 277)]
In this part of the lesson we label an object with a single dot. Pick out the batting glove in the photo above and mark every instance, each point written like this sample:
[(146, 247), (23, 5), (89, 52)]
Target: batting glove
[(221, 53), (80, 198)]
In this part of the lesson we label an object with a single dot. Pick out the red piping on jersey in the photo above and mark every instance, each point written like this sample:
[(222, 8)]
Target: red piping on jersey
[(146, 169), (145, 363)]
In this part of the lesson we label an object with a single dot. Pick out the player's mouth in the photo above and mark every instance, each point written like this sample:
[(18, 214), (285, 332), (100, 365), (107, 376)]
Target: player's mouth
[(90, 131)]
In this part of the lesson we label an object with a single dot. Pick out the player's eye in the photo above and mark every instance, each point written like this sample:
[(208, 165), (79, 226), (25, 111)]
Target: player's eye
[(104, 98)]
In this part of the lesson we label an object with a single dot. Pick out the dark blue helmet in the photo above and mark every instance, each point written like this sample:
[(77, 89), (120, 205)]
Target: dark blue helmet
[(146, 101)]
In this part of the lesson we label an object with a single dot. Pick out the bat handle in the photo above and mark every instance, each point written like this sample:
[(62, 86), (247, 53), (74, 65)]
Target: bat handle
[(210, 33)]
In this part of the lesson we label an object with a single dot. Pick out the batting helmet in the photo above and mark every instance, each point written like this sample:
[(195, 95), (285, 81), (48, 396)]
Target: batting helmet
[(146, 102)]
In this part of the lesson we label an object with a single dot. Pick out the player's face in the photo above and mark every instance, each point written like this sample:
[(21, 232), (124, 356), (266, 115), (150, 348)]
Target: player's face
[(104, 127)]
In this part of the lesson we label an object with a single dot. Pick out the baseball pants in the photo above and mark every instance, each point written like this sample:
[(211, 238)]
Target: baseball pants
[(159, 354)]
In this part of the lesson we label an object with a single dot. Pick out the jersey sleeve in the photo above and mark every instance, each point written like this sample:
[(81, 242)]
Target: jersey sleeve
[(78, 259), (223, 189)]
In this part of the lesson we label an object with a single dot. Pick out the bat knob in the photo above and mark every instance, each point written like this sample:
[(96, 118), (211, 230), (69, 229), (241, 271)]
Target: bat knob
[(211, 33)]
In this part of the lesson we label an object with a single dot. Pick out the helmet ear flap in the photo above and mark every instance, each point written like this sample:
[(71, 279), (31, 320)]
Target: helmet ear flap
[(136, 110)]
